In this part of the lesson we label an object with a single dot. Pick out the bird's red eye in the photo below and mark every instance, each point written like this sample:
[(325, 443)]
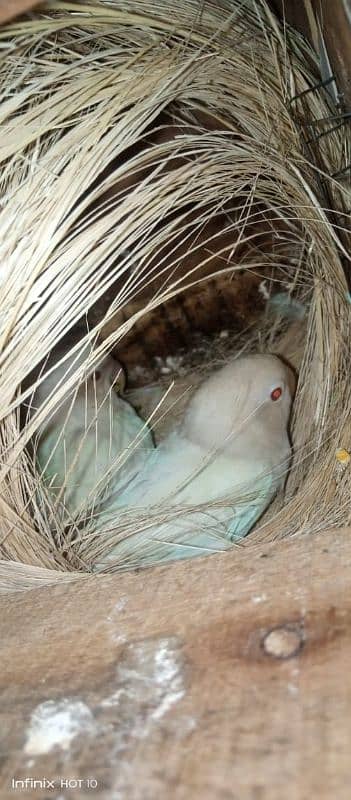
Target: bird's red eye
[(276, 393)]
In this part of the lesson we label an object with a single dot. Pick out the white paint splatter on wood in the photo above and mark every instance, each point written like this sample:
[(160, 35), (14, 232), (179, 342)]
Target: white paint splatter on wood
[(168, 679), (149, 683), (149, 680), (259, 598), (113, 621), (121, 603), (56, 723)]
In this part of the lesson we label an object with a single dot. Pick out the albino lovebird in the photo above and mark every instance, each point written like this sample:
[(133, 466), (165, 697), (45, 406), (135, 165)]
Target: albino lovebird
[(91, 434), (214, 475)]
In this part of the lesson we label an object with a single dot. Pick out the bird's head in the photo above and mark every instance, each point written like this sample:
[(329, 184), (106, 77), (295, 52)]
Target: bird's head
[(246, 403), (109, 373), (91, 385)]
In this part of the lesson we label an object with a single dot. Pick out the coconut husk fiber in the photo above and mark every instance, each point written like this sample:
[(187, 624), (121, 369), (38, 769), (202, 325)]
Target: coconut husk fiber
[(152, 162)]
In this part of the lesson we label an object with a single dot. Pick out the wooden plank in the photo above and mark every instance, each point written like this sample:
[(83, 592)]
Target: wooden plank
[(13, 8), (336, 26), (175, 685), (335, 21)]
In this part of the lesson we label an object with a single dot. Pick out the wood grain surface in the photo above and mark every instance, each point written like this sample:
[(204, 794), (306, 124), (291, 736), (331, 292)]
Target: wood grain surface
[(13, 8), (334, 17), (225, 678)]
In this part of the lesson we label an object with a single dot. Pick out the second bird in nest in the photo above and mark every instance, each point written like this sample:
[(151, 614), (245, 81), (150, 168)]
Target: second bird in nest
[(91, 435)]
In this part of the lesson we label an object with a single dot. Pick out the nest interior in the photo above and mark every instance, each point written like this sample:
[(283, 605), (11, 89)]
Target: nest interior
[(175, 190)]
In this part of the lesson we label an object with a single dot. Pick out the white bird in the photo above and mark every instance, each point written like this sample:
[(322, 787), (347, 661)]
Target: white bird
[(214, 475), (91, 435)]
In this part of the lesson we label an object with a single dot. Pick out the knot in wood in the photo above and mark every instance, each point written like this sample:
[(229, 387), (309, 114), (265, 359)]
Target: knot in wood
[(284, 641)]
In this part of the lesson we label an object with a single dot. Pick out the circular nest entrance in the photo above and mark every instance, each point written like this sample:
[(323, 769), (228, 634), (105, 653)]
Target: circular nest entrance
[(175, 190)]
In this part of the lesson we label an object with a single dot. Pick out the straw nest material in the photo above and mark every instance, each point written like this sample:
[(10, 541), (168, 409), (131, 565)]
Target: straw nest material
[(127, 130)]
